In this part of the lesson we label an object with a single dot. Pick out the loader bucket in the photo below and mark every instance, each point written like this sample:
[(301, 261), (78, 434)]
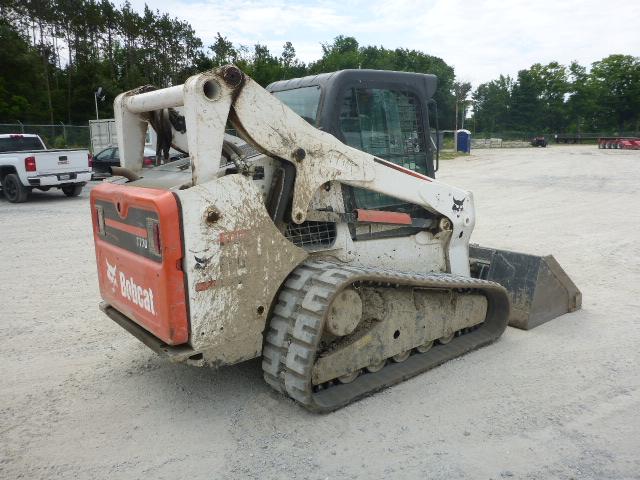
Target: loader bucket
[(539, 289)]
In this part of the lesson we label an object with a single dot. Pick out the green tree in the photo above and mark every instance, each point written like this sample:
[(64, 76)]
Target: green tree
[(491, 105), (461, 92), (223, 51), (264, 67), (553, 86), (582, 102), (21, 93), (526, 105), (615, 81), (342, 53)]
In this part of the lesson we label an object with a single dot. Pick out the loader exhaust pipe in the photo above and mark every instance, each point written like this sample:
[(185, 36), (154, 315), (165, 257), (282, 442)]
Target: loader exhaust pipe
[(539, 289)]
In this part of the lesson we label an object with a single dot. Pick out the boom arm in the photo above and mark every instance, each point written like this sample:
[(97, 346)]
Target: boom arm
[(209, 99)]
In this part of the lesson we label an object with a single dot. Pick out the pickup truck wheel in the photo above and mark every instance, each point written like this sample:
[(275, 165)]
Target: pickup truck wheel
[(13, 189), (72, 190)]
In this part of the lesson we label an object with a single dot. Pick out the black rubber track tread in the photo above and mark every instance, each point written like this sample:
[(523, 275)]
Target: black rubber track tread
[(294, 332)]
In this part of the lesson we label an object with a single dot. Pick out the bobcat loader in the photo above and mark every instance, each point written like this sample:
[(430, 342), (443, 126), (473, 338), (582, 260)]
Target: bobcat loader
[(316, 237)]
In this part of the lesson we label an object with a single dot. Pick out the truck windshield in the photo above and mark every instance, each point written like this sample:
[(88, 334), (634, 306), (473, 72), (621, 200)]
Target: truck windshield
[(18, 143), (304, 101), (388, 124)]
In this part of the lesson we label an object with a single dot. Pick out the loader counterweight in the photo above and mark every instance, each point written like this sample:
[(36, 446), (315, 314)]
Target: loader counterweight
[(139, 254)]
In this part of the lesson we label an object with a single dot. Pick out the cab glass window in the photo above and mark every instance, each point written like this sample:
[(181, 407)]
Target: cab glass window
[(304, 101), (388, 124), (18, 143)]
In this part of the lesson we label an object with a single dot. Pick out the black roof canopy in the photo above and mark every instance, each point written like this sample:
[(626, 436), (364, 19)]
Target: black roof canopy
[(333, 85), (424, 82)]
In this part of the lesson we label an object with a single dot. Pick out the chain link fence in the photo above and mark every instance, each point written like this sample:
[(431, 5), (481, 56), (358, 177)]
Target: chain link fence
[(78, 136), (54, 136), (525, 136)]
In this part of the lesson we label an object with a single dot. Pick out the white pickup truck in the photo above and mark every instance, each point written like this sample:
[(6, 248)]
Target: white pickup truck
[(25, 164)]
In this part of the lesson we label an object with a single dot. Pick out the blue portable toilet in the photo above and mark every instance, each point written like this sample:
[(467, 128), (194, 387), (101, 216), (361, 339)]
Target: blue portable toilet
[(464, 141)]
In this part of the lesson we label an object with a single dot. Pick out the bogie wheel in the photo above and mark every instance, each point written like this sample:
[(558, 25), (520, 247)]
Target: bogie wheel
[(13, 189), (425, 347), (72, 190), (376, 367), (349, 377), (401, 357), (446, 339)]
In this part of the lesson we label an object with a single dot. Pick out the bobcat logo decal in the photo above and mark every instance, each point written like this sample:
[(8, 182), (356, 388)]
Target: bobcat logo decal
[(130, 289), (458, 205), (111, 275)]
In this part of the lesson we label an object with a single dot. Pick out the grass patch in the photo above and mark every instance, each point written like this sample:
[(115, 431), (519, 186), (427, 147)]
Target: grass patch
[(450, 155)]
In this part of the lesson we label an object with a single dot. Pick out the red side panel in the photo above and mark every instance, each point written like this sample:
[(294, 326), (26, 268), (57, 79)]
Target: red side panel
[(138, 252)]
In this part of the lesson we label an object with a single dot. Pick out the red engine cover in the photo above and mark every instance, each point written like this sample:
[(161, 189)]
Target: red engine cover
[(138, 253)]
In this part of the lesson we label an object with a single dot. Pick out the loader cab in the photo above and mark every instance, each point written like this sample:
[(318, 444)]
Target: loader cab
[(380, 112)]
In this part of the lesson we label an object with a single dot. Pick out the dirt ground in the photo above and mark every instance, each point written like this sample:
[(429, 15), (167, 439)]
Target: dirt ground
[(80, 398)]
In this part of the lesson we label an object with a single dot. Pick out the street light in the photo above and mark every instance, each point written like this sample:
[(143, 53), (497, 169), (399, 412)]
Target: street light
[(98, 94)]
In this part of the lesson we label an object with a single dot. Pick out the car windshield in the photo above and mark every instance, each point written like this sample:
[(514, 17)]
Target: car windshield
[(18, 143)]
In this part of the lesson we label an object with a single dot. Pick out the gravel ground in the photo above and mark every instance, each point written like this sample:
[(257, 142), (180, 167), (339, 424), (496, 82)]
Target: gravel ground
[(82, 399)]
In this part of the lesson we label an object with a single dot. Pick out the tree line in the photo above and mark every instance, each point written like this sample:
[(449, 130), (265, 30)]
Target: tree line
[(56, 53), (555, 98)]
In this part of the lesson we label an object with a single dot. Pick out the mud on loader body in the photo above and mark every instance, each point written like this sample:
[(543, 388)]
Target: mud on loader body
[(346, 268)]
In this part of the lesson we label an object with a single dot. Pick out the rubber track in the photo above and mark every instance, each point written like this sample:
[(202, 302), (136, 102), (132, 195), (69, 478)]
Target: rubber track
[(295, 330)]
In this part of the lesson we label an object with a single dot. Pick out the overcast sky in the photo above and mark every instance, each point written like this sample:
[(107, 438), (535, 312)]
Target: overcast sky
[(480, 39)]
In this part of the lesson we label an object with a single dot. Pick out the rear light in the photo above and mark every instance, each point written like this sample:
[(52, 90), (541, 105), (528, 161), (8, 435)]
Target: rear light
[(100, 219), (90, 160), (153, 236), (30, 164)]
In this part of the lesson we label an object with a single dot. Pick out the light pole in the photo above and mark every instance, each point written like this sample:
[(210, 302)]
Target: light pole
[(98, 94)]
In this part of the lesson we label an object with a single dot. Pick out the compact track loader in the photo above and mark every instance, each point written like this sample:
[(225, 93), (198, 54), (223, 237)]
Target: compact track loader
[(316, 236)]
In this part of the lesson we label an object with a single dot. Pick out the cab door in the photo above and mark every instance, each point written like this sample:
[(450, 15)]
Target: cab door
[(390, 124)]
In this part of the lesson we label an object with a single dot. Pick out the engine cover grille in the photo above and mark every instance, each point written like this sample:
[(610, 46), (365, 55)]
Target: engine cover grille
[(312, 234)]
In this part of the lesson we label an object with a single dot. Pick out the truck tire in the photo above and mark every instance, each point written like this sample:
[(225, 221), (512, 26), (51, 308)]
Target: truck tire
[(13, 189), (72, 190)]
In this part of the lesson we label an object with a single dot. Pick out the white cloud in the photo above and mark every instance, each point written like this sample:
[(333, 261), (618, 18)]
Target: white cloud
[(480, 39)]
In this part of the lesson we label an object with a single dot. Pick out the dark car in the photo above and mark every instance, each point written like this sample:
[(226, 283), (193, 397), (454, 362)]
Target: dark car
[(110, 157), (539, 141)]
